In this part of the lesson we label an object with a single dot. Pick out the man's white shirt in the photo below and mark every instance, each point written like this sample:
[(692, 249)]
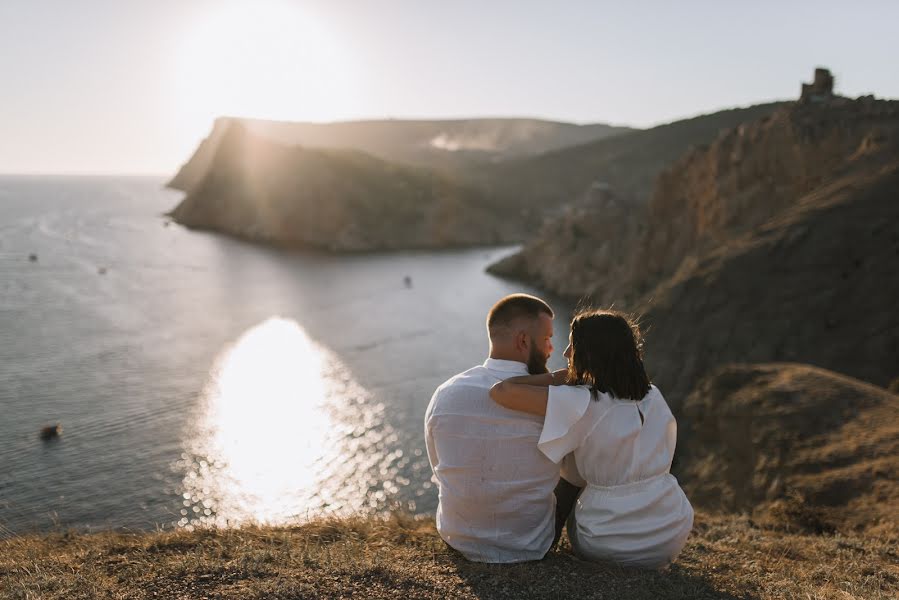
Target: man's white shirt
[(495, 487)]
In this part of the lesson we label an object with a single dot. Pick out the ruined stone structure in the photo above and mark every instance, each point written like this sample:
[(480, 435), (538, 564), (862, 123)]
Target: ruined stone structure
[(820, 90)]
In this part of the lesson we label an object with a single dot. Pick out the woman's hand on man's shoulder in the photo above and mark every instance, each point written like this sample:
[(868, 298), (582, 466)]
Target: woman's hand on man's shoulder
[(560, 377)]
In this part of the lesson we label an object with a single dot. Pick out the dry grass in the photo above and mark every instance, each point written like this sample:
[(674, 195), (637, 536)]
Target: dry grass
[(402, 557)]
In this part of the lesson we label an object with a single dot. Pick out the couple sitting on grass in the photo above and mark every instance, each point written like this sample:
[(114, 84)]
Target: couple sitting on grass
[(500, 435)]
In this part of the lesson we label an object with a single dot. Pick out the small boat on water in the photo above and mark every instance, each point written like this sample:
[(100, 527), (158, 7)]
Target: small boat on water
[(51, 432)]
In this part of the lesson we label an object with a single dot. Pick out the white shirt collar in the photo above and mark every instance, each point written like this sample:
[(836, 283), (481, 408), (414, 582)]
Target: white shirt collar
[(506, 366)]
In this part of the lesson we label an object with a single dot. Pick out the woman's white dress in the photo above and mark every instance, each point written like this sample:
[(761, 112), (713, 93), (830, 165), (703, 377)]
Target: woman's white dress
[(632, 510)]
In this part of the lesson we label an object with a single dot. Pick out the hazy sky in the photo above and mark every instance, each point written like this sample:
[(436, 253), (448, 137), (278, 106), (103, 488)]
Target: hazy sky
[(131, 86)]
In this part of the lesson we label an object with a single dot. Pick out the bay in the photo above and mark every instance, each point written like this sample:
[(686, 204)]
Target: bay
[(201, 379)]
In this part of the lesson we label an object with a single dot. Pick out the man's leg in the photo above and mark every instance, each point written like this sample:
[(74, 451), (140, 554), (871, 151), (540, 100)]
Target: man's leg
[(566, 495)]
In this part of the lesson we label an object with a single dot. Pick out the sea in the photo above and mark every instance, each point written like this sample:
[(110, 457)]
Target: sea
[(203, 380)]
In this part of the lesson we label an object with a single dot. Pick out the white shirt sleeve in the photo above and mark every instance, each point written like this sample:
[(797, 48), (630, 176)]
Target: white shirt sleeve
[(565, 406)]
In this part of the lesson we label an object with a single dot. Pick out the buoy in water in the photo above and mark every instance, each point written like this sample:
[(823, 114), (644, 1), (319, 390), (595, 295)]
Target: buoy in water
[(51, 432), (32, 257)]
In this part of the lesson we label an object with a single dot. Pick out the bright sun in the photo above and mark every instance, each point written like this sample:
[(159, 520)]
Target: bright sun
[(264, 59)]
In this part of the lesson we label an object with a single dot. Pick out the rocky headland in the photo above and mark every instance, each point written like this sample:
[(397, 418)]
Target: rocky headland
[(344, 200)]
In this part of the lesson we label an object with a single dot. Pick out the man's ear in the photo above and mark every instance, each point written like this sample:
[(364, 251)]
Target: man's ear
[(522, 341)]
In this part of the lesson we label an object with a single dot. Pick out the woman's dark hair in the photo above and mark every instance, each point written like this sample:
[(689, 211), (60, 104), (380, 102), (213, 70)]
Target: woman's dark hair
[(607, 354)]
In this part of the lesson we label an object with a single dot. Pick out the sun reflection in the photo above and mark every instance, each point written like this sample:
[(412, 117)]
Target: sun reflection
[(284, 432)]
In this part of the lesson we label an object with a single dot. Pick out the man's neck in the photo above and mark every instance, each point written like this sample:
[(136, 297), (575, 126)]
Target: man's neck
[(497, 355)]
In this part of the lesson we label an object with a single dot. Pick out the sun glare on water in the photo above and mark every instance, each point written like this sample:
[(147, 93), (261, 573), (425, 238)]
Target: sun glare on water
[(283, 433), (264, 59)]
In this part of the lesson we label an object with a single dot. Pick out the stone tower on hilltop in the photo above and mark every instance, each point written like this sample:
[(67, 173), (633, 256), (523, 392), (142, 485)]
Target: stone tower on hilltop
[(820, 90)]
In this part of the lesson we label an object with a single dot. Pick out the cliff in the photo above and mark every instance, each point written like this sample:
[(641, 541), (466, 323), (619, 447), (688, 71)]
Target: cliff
[(755, 171), (578, 248), (332, 199), (745, 176), (577, 252), (815, 284)]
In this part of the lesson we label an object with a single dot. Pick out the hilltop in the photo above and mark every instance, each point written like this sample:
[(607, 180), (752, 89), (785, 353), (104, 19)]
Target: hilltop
[(443, 144), (725, 559)]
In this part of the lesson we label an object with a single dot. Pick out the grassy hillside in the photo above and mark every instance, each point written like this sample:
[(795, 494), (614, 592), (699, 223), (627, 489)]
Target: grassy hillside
[(793, 443), (725, 558)]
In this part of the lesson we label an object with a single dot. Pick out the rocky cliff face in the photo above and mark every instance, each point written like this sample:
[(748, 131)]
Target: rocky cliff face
[(335, 200), (703, 200), (585, 250), (578, 252), (792, 444), (816, 284), (755, 171), (808, 274)]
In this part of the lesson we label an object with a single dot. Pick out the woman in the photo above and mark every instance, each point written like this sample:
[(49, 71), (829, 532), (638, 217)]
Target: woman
[(622, 435)]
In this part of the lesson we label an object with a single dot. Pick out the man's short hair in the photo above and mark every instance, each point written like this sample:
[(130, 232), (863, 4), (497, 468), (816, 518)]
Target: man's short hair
[(513, 307)]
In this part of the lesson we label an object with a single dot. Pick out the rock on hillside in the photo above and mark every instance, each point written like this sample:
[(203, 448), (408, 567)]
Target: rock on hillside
[(332, 199), (449, 144), (794, 445), (578, 253)]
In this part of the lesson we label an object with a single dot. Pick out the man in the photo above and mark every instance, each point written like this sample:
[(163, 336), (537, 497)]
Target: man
[(496, 501)]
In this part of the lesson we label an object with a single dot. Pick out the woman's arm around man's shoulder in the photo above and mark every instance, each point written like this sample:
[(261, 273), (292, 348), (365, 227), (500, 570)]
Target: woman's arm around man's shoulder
[(527, 393)]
